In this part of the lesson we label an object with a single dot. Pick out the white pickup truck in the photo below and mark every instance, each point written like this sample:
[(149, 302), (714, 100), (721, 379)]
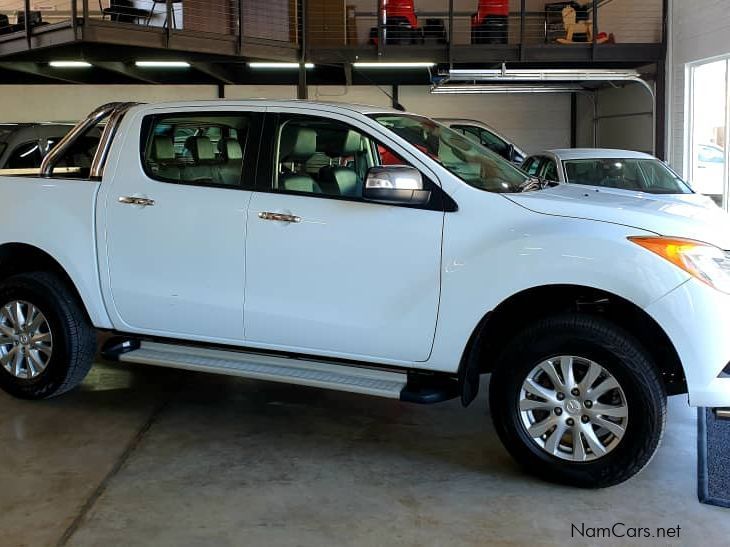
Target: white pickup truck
[(370, 251)]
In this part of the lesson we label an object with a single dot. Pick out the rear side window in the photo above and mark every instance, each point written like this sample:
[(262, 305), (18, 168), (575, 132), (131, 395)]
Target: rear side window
[(25, 156), (201, 148)]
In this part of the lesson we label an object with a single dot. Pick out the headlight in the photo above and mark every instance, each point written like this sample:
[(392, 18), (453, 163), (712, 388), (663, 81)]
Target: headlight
[(705, 262)]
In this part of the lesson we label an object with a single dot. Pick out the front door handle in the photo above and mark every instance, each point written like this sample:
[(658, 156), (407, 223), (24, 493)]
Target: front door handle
[(132, 200), (281, 217)]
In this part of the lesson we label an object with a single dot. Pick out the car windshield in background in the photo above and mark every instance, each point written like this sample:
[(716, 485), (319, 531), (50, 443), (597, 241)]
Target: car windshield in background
[(471, 162), (642, 175)]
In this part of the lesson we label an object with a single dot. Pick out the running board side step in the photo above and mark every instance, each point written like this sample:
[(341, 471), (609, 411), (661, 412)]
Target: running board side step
[(274, 368)]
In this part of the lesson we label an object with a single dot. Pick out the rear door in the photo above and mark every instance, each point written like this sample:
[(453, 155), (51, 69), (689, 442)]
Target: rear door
[(345, 277), (175, 218)]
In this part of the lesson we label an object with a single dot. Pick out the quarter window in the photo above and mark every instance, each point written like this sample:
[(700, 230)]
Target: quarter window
[(196, 148)]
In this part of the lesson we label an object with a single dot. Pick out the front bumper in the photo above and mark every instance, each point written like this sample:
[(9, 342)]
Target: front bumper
[(696, 318)]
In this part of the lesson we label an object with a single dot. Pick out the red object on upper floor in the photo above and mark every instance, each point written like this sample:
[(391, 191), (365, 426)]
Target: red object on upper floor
[(400, 8), (490, 7)]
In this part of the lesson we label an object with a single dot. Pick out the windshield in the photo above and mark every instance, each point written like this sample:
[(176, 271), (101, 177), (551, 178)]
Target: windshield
[(643, 175), (471, 162)]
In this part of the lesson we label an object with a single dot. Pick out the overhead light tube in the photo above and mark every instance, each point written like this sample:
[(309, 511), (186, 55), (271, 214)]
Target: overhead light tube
[(394, 65), (162, 64), (69, 64), (278, 65)]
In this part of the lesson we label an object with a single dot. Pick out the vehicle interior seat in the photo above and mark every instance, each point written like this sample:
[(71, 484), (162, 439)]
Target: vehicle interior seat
[(296, 145), (162, 154), (204, 159), (232, 155), (341, 180)]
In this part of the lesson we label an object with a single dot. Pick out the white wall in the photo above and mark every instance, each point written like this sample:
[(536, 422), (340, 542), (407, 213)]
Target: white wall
[(534, 122), (699, 30)]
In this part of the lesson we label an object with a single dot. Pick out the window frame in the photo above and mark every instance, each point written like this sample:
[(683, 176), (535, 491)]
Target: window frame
[(268, 156), (250, 150)]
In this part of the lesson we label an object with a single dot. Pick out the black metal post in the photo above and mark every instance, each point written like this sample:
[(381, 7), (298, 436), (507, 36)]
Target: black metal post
[(523, 9), (573, 120), (85, 9), (382, 37), (302, 92), (660, 111), (595, 27), (27, 22), (168, 22), (450, 41), (240, 27), (74, 7)]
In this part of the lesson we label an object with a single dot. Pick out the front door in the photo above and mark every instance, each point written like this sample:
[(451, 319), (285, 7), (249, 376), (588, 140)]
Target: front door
[(176, 224), (337, 275)]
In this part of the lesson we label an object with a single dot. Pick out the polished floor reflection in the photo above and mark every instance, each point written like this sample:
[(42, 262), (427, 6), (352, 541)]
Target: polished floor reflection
[(147, 456)]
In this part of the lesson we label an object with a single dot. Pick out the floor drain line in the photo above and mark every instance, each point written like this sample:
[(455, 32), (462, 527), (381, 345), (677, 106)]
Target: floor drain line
[(99, 490)]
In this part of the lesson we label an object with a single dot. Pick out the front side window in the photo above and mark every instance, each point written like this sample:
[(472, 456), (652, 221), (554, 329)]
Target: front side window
[(474, 164), (550, 171), (196, 148), (643, 175), (326, 157), (25, 156), (531, 165), (485, 138)]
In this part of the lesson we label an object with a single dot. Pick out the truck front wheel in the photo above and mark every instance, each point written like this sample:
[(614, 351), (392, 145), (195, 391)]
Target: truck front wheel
[(47, 343), (577, 400)]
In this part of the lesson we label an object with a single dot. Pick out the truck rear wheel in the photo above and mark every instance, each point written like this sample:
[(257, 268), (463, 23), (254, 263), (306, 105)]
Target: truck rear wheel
[(47, 343), (577, 400)]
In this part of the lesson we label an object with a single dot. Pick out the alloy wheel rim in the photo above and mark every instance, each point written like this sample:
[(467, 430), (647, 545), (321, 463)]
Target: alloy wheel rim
[(573, 408), (26, 342)]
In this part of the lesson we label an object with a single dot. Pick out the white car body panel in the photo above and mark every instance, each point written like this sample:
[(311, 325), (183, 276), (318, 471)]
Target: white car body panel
[(160, 270), (66, 232)]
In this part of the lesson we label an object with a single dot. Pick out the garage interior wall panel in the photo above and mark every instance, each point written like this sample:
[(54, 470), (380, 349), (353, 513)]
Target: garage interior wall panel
[(34, 103), (533, 121), (700, 30)]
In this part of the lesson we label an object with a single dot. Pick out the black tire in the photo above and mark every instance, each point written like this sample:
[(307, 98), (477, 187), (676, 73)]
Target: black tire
[(618, 353), (74, 338)]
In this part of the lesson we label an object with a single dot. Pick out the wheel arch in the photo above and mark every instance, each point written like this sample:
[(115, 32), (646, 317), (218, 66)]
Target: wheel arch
[(499, 325), (16, 258)]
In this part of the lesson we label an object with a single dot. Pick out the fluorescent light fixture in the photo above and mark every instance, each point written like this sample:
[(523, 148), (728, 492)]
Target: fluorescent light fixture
[(542, 75), (69, 64), (162, 64), (279, 65), (393, 65), (479, 89)]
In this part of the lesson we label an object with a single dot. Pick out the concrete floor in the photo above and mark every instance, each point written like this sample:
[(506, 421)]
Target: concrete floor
[(147, 456)]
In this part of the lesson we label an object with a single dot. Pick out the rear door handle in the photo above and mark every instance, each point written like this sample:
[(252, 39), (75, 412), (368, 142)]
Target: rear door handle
[(131, 200), (281, 217)]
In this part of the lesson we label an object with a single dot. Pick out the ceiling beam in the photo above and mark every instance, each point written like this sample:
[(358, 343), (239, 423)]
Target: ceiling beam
[(124, 69), (216, 71), (41, 70)]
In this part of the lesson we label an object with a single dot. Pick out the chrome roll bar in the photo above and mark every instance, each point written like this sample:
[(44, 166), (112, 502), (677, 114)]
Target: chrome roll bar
[(114, 110)]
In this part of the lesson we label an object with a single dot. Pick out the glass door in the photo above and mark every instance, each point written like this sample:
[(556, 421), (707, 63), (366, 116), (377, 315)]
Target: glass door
[(708, 152)]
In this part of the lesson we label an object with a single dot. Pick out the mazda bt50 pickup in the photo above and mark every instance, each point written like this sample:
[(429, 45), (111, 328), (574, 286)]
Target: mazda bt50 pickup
[(369, 251)]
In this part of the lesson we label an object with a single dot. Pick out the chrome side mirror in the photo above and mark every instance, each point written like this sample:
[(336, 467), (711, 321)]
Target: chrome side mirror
[(396, 184)]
